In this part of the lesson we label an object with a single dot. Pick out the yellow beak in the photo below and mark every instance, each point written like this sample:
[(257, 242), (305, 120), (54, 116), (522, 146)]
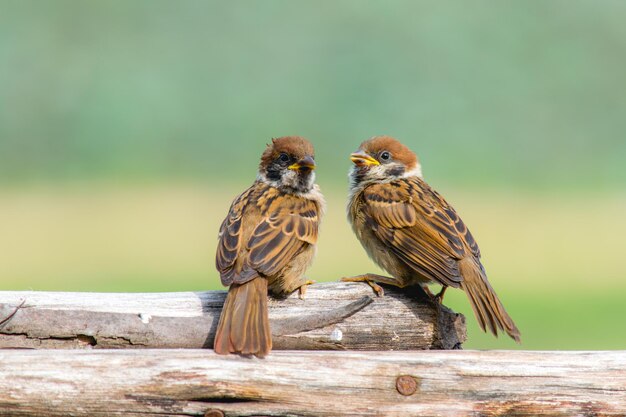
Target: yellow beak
[(361, 158), (305, 163)]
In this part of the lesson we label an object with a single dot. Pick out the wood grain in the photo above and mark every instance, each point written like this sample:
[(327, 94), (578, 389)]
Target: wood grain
[(299, 383), (334, 316)]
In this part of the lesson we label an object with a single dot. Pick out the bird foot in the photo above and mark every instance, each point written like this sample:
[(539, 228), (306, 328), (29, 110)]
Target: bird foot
[(435, 298), (367, 278), (302, 289), (439, 297)]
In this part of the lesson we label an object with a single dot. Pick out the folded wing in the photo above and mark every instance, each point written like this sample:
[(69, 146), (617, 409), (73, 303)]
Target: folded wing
[(420, 227)]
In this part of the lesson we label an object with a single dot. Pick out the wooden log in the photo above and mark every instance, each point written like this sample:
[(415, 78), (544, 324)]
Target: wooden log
[(333, 316), (299, 383)]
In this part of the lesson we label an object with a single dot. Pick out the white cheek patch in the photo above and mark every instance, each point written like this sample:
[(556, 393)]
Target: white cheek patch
[(374, 173), (261, 177), (415, 172), (378, 171), (290, 182), (311, 180), (290, 178), (378, 174)]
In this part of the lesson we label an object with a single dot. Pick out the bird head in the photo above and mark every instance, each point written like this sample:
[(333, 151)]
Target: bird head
[(288, 164), (383, 159)]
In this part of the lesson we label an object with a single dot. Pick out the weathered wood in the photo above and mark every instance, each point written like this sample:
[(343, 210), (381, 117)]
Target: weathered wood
[(333, 316), (194, 382)]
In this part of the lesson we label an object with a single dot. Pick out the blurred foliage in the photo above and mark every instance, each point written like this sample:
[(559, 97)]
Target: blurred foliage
[(510, 93)]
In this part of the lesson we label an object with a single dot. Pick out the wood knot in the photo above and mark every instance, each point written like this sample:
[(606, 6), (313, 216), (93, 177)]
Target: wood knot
[(406, 385), (214, 413)]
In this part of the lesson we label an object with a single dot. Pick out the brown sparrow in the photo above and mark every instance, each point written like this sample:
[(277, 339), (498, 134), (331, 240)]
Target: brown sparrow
[(409, 230), (267, 241)]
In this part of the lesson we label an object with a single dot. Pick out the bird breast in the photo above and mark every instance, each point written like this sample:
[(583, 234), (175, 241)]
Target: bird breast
[(363, 228)]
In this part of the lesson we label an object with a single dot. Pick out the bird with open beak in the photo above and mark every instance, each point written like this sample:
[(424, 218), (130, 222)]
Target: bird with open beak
[(266, 242), (410, 231)]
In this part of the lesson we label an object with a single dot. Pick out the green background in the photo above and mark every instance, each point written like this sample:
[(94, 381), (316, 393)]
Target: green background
[(126, 128)]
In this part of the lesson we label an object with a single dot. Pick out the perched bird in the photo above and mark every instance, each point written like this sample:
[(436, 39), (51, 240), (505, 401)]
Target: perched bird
[(267, 241), (409, 230)]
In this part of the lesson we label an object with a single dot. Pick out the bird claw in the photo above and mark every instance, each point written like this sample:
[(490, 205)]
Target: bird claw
[(302, 289), (439, 297), (380, 292)]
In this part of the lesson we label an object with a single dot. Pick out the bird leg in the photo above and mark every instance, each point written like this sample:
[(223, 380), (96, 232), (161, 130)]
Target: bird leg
[(371, 280), (439, 296), (435, 298), (302, 288)]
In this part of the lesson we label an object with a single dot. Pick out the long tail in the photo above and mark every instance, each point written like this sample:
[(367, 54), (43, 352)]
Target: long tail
[(244, 326), (487, 307)]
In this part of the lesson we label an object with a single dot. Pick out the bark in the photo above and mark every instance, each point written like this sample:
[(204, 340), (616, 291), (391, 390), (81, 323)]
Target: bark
[(298, 383), (333, 316)]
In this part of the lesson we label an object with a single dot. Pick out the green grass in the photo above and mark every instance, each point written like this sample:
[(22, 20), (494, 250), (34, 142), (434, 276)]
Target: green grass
[(556, 262)]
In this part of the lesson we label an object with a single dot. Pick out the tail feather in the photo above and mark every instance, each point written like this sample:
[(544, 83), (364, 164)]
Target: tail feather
[(244, 325), (487, 307)]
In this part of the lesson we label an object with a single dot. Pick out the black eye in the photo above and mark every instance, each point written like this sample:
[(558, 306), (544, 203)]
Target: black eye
[(283, 157), (385, 156)]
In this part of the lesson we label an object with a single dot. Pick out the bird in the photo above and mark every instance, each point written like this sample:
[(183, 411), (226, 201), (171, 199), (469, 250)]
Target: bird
[(411, 232), (266, 242)]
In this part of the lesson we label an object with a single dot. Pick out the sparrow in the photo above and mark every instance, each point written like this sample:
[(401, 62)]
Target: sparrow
[(266, 243), (412, 232)]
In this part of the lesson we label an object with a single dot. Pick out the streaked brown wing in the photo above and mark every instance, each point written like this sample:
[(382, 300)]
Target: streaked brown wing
[(229, 244), (292, 226), (420, 227), (452, 217)]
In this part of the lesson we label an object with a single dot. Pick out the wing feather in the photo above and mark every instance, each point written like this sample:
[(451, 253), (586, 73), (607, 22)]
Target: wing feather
[(277, 239), (421, 228), (264, 230), (229, 244)]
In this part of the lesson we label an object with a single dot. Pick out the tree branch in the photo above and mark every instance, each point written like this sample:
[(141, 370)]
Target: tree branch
[(291, 383), (334, 316)]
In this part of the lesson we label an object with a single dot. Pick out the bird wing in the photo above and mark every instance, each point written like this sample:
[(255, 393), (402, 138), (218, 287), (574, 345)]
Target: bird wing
[(420, 228), (230, 239), (290, 226), (263, 232)]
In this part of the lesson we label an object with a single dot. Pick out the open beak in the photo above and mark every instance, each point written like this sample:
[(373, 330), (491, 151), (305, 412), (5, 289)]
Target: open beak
[(305, 164), (361, 158)]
